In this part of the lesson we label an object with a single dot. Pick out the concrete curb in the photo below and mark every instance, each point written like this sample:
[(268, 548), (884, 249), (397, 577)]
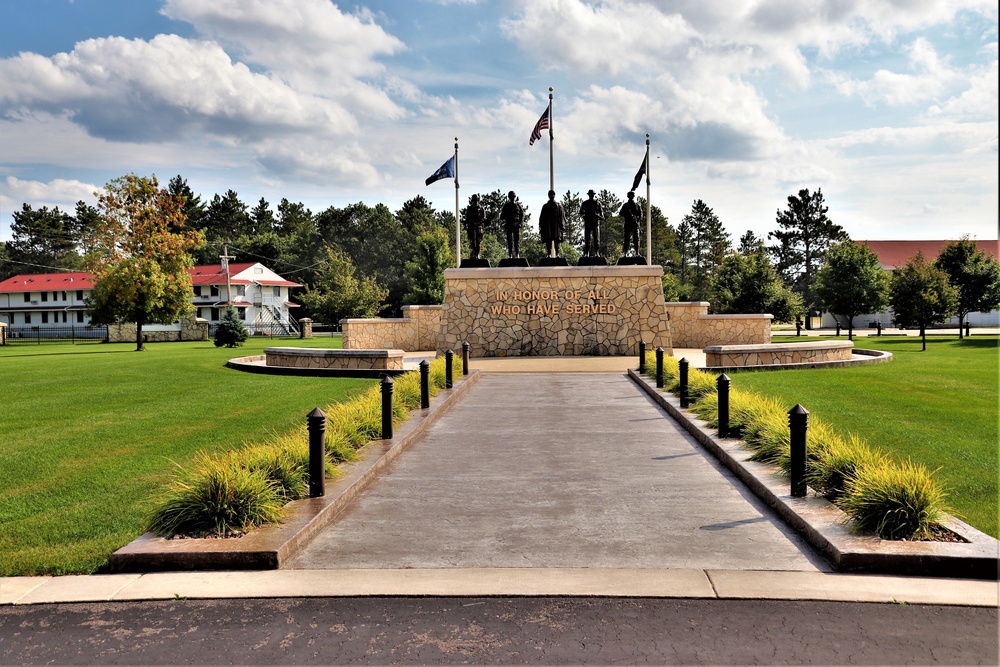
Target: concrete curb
[(860, 358), (823, 525), (500, 582), (268, 547)]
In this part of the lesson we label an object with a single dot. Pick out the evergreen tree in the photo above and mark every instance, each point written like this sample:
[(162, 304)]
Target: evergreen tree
[(751, 244), (193, 208), (804, 235), (262, 219), (974, 274), (707, 245), (920, 295), (231, 332), (42, 241), (613, 227), (852, 282), (87, 218), (425, 271)]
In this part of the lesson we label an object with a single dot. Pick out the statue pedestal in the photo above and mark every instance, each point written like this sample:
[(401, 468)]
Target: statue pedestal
[(510, 262), (554, 311), (592, 261), (475, 263)]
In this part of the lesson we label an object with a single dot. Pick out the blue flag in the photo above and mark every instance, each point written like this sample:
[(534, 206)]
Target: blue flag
[(447, 170)]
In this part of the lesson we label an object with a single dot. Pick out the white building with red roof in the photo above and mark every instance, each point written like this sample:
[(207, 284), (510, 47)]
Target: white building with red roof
[(56, 300)]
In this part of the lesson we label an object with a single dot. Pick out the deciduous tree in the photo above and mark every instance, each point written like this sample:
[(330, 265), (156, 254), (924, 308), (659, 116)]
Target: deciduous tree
[(337, 293), (920, 295), (138, 265), (750, 284), (852, 282), (425, 270), (974, 274)]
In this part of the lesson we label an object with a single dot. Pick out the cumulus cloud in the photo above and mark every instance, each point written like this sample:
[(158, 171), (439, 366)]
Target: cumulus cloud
[(58, 192)]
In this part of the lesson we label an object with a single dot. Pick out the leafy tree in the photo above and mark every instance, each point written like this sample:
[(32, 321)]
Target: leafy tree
[(804, 235), (338, 294), (139, 266), (974, 274), (852, 282), (920, 295), (750, 284), (42, 240), (426, 270), (231, 332)]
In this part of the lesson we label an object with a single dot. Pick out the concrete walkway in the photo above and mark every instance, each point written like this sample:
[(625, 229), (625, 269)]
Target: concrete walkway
[(575, 470)]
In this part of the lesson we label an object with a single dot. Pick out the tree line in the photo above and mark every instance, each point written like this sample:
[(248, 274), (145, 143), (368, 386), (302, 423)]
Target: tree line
[(363, 261)]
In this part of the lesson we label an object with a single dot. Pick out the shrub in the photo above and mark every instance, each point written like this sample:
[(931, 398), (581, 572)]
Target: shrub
[(838, 463), (895, 500), (287, 468), (217, 496), (231, 331)]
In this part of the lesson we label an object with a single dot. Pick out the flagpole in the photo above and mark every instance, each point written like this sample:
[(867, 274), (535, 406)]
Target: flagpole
[(649, 212), (552, 176), (458, 224)]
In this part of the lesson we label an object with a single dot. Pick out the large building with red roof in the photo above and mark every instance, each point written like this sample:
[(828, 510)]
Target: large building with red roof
[(54, 300), (894, 254)]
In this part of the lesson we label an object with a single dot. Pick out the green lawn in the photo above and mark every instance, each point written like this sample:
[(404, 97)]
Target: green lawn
[(937, 407), (89, 433)]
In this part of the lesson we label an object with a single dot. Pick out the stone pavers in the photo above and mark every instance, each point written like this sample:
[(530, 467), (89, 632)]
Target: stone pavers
[(573, 470)]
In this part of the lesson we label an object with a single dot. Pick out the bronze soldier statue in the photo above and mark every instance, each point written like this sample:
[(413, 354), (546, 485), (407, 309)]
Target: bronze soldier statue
[(592, 215), (552, 224), (631, 214), (512, 217), (475, 224)]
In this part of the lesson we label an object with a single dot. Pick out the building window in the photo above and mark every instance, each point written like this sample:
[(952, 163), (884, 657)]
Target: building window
[(215, 314), (258, 270), (27, 318), (241, 290), (45, 317), (242, 312), (277, 291), (27, 297), (64, 296), (79, 295), (197, 290), (79, 317), (45, 296), (214, 290), (64, 317)]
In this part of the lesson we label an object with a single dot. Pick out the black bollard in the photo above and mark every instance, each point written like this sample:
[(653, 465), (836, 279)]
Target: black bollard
[(838, 328), (722, 385), (642, 356), (798, 424), (425, 384), (449, 365), (798, 327), (316, 424), (659, 368), (878, 328), (465, 357), (387, 388), (684, 383), (967, 333)]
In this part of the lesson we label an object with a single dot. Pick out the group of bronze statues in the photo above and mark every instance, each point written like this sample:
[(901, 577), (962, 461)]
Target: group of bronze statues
[(552, 225)]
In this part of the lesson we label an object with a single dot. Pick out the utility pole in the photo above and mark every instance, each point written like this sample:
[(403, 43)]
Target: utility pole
[(225, 257)]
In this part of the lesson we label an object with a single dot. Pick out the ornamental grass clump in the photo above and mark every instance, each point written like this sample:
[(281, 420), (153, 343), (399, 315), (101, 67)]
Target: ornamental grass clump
[(287, 468), (895, 500), (838, 462), (217, 496)]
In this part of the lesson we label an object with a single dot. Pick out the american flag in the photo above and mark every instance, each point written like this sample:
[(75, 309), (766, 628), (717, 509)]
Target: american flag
[(542, 124)]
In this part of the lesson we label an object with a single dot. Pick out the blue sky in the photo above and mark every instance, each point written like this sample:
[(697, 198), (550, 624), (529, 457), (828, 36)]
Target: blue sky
[(889, 106)]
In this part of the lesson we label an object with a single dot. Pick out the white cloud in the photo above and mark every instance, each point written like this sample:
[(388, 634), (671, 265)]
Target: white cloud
[(58, 192)]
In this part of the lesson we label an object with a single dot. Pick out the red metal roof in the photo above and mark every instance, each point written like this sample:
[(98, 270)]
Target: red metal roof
[(897, 253), (212, 274), (42, 282)]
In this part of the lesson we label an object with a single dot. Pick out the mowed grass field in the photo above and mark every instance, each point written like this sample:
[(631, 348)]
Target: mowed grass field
[(938, 407), (90, 432)]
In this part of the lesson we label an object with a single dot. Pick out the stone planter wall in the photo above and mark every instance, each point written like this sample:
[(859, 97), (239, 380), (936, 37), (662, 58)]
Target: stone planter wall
[(417, 330), (778, 353), (692, 327), (554, 311), (296, 357), (191, 328)]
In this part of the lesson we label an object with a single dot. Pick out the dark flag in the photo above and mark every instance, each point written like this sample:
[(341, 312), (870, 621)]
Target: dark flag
[(639, 174), (447, 170), (542, 124)]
